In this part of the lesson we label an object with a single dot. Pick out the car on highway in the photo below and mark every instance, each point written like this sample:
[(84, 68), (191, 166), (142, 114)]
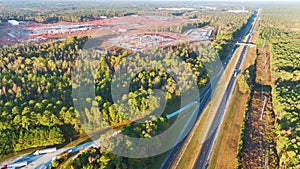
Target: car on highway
[(44, 151), (15, 165), (236, 72)]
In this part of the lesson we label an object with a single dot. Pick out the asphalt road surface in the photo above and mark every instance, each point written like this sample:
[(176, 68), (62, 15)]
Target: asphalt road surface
[(203, 156), (205, 152)]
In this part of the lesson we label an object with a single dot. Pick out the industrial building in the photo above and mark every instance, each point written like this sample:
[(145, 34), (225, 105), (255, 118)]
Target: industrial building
[(63, 29), (13, 22), (146, 41), (200, 34)]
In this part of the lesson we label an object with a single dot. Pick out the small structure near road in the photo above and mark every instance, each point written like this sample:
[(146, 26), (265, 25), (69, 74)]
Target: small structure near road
[(60, 29), (14, 22)]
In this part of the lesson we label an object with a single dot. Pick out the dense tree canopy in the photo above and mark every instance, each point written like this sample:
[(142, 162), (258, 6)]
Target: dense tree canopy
[(280, 30)]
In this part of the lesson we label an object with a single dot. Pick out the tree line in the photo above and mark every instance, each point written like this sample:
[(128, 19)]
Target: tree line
[(277, 30), (36, 90)]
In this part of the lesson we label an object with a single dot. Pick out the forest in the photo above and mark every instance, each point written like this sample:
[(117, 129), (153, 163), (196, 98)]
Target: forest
[(35, 94), (37, 86), (286, 65), (283, 35), (54, 11), (279, 35), (37, 106), (101, 158)]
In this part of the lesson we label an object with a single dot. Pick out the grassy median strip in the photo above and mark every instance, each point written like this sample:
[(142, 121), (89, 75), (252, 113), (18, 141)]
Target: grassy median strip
[(225, 150), (190, 150)]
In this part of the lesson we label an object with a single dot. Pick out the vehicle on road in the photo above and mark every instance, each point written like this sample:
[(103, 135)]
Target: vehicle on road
[(44, 151), (15, 165), (236, 72)]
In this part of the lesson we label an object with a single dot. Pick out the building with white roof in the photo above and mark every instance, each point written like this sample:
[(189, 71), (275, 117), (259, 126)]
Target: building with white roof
[(13, 22)]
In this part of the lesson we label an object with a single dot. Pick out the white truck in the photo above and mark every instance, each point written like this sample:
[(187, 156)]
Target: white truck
[(15, 165), (44, 151)]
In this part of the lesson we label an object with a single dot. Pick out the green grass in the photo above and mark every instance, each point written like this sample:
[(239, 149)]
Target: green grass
[(226, 145), (199, 131), (194, 145), (225, 151)]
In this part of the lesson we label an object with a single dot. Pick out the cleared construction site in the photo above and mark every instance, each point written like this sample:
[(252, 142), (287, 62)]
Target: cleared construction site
[(133, 33)]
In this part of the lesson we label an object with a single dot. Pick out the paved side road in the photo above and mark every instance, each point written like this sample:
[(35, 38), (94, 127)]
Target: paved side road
[(45, 161), (41, 159)]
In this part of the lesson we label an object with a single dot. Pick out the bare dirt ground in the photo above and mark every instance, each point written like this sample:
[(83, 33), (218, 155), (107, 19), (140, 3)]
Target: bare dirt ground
[(259, 139), (259, 149), (263, 70), (133, 25)]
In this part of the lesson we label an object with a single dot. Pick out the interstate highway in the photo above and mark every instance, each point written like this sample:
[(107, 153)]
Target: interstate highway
[(208, 144), (207, 147)]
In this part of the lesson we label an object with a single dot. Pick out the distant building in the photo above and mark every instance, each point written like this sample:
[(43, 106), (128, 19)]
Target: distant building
[(177, 9), (200, 34), (13, 22), (122, 30), (103, 17), (239, 11)]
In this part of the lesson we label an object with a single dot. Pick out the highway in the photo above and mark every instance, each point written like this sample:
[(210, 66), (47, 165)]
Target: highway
[(207, 147), (205, 152), (203, 99)]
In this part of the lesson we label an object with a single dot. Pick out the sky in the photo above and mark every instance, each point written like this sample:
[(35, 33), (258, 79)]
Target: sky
[(216, 0)]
